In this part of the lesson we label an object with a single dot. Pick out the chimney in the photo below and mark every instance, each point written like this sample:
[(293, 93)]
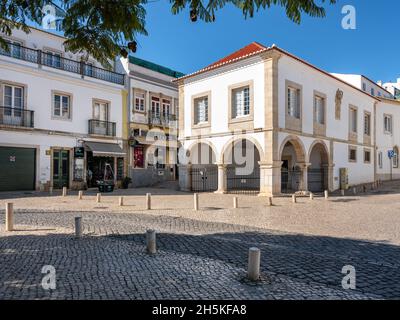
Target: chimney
[(379, 83)]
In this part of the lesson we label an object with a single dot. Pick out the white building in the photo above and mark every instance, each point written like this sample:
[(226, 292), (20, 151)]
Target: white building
[(61, 119), (393, 88), (151, 121), (302, 128)]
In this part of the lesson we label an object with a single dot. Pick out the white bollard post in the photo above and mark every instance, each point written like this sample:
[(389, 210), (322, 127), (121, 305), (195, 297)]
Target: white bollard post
[(80, 195), (326, 193), (235, 202), (342, 192), (311, 196), (9, 216), (151, 241), (78, 227), (269, 201), (148, 201), (98, 199), (64, 191), (51, 190), (294, 198), (253, 270), (354, 190), (196, 201), (121, 201)]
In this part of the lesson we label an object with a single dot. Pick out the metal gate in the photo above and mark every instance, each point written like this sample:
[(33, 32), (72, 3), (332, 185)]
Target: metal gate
[(204, 179), (290, 180), (243, 183), (316, 180)]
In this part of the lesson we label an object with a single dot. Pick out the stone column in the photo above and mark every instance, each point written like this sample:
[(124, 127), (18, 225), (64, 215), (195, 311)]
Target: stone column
[(185, 178), (329, 171), (222, 179), (304, 179), (270, 178)]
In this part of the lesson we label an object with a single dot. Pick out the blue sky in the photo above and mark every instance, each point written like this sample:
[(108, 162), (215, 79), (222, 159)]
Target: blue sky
[(372, 49)]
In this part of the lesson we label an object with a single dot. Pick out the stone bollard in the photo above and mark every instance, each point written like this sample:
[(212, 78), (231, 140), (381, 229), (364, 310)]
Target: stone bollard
[(196, 201), (148, 201), (51, 190), (9, 216), (311, 196), (354, 190), (269, 201), (80, 195), (342, 192), (78, 227), (151, 241), (326, 193), (253, 269), (98, 199), (294, 198), (64, 191), (235, 203), (121, 201)]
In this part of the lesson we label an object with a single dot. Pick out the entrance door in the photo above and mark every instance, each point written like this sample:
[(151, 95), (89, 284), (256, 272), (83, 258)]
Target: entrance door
[(100, 113), (60, 169)]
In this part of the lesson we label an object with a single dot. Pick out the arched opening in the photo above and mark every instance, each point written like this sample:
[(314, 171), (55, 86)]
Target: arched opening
[(318, 174), (243, 169), (292, 157), (204, 173)]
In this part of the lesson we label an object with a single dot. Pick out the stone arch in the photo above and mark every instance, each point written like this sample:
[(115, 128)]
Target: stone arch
[(318, 171), (196, 144), (297, 145), (233, 141), (322, 144), (202, 153)]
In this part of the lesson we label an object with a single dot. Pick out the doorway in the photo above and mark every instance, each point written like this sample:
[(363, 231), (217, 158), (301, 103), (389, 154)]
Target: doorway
[(60, 169)]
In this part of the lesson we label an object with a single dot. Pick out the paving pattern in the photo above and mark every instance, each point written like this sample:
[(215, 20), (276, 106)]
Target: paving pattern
[(195, 260)]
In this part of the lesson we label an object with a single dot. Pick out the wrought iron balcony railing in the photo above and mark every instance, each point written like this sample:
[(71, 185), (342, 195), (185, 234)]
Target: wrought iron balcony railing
[(55, 61), (16, 117), (163, 120), (103, 128)]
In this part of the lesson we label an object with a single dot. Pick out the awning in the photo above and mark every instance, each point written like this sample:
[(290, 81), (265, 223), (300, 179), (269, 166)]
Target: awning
[(101, 149), (156, 143)]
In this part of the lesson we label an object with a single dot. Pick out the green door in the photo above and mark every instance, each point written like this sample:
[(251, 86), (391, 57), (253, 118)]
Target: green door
[(60, 169), (17, 169)]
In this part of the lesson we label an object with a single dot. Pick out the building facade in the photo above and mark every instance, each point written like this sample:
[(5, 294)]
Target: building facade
[(151, 128), (61, 119), (294, 126)]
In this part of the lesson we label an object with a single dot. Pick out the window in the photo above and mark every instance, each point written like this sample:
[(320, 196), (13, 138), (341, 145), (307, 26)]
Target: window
[(100, 111), (13, 100), (166, 107), (140, 101), (380, 160), (155, 106), (353, 120), (372, 91), (319, 107), (241, 102), (367, 124), (364, 87), (353, 154), (61, 106), (367, 156), (294, 102), (388, 124), (201, 110), (53, 59)]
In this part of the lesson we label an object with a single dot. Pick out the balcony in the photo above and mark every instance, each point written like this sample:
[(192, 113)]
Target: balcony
[(16, 117), (53, 61), (102, 128), (162, 120)]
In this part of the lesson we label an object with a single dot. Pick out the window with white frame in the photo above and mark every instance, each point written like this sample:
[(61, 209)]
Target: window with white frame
[(380, 160), (201, 110), (353, 154), (13, 98), (241, 102), (364, 86), (372, 91), (140, 99), (319, 106), (387, 123), (293, 102), (353, 120), (61, 106), (166, 107), (367, 124), (155, 106)]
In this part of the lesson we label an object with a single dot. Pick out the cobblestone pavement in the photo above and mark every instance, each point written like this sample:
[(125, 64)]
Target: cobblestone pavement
[(196, 260)]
